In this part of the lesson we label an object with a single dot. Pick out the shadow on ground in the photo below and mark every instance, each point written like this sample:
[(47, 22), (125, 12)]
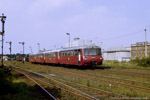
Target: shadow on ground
[(100, 67)]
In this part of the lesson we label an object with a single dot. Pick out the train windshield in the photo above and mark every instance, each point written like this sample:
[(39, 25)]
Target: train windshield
[(86, 52), (98, 51), (92, 51)]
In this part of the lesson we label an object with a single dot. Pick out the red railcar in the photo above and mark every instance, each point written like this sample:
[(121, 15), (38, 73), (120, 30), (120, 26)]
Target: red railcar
[(32, 58), (19, 58), (81, 56), (52, 57), (40, 58)]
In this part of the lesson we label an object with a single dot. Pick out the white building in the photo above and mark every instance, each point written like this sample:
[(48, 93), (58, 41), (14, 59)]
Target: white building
[(5, 58), (117, 53), (78, 42)]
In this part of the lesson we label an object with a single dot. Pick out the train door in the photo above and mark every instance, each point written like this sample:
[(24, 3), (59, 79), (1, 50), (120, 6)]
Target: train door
[(58, 57), (79, 57)]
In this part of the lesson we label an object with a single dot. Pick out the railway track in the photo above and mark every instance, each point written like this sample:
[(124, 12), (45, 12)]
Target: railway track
[(46, 95), (107, 79), (96, 93), (129, 73), (65, 88), (138, 83), (124, 68), (119, 82)]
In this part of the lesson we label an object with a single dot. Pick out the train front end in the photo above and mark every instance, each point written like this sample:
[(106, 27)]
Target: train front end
[(92, 56)]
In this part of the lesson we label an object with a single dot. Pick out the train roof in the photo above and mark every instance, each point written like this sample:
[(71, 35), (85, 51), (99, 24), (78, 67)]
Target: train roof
[(68, 48), (78, 47), (48, 51)]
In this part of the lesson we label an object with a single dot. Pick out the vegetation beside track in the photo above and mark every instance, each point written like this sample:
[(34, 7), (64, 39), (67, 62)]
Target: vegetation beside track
[(75, 75), (134, 63), (12, 88)]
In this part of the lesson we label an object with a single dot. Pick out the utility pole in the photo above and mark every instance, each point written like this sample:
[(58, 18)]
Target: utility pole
[(145, 44), (38, 46), (69, 39), (3, 18), (31, 49), (23, 49), (10, 49)]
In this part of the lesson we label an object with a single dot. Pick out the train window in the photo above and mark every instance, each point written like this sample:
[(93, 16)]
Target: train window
[(39, 55), (62, 54), (71, 53), (85, 52), (68, 53), (47, 55), (75, 53), (53, 54), (92, 52), (65, 53), (98, 51)]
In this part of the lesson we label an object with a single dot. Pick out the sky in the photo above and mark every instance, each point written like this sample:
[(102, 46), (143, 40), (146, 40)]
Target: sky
[(107, 22)]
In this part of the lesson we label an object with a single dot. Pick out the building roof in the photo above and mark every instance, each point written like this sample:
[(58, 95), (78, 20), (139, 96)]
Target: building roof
[(140, 44), (118, 49)]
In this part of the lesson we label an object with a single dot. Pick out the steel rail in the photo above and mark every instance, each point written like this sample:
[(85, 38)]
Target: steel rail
[(104, 76), (49, 94), (116, 78), (141, 73), (94, 89), (108, 81), (67, 86), (137, 74), (49, 84)]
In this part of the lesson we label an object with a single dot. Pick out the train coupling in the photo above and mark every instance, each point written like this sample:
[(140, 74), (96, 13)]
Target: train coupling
[(93, 63)]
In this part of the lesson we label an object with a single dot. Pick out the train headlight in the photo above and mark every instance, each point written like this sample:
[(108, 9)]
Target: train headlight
[(84, 58), (101, 58)]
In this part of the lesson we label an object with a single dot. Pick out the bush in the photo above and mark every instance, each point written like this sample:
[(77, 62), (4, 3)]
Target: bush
[(116, 61), (145, 62)]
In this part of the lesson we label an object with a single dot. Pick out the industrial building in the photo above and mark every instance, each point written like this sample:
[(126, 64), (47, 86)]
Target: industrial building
[(138, 50), (120, 53)]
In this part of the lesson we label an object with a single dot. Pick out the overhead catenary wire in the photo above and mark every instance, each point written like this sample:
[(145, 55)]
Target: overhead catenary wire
[(138, 32)]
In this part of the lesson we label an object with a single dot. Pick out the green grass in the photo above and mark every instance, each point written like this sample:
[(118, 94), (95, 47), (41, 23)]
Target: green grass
[(13, 89), (102, 85), (136, 63), (90, 83)]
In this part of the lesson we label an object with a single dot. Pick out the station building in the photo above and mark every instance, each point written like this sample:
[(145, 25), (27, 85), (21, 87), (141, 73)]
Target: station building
[(138, 50)]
